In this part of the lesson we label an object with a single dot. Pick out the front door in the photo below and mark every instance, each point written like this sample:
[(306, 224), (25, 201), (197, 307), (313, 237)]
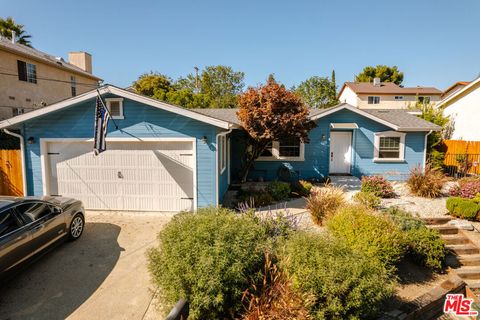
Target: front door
[(340, 151)]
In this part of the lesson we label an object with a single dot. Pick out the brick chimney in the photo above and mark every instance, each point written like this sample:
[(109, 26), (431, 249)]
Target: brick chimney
[(81, 59)]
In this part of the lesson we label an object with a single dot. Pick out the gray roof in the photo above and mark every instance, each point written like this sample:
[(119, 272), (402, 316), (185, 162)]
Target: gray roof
[(6, 44), (398, 117)]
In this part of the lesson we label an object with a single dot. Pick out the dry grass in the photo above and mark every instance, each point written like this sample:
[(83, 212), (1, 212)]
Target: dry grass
[(426, 184), (324, 202)]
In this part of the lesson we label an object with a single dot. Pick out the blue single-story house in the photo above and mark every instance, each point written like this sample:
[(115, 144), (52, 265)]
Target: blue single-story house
[(162, 157)]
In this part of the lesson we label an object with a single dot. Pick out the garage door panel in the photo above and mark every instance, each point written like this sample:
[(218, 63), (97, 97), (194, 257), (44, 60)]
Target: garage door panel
[(143, 176)]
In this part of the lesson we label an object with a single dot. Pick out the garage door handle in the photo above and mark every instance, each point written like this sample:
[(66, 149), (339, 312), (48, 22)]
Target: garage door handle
[(186, 198), (119, 175)]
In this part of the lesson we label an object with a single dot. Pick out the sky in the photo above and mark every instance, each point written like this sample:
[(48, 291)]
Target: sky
[(435, 43)]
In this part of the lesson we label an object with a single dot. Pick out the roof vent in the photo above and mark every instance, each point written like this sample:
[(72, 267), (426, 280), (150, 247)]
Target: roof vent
[(14, 36), (376, 82)]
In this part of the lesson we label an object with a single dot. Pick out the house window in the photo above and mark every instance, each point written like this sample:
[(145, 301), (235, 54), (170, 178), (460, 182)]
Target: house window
[(424, 99), (73, 85), (27, 72), (115, 107), (398, 97), (222, 153), (373, 100), (17, 111), (291, 149), (389, 146)]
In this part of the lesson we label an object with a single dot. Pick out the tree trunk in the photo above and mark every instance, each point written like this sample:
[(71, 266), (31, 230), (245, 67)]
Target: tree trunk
[(250, 157)]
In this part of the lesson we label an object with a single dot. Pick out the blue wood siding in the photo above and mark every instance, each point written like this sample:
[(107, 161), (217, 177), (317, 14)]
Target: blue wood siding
[(140, 121), (316, 163), (222, 177)]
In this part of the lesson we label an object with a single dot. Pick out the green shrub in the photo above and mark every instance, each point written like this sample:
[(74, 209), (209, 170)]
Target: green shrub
[(323, 202), (344, 283), (463, 208), (209, 258), (425, 245), (436, 159), (278, 190), (255, 198), (377, 185), (367, 199), (370, 233), (426, 183)]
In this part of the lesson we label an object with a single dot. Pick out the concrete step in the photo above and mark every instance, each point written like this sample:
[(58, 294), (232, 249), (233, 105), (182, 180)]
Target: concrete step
[(445, 229), (437, 220), (473, 284), (455, 239), (463, 249), (468, 273), (469, 259)]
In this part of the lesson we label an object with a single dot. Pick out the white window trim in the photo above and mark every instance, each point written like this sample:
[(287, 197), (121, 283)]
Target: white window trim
[(378, 135), (276, 154), (120, 102), (223, 153), (373, 102)]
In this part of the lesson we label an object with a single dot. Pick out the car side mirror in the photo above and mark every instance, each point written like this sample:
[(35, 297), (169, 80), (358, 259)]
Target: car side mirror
[(57, 210)]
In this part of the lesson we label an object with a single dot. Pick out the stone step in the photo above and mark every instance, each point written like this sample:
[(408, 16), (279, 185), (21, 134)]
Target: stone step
[(473, 284), (455, 239), (437, 220), (445, 229), (469, 259), (468, 273), (463, 249)]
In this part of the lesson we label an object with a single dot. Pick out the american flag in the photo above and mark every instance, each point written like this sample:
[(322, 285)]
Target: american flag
[(101, 125)]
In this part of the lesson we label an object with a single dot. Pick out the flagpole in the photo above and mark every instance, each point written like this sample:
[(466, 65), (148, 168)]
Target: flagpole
[(108, 111)]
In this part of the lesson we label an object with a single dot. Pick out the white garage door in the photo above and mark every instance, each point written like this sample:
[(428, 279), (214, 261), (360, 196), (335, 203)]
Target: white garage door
[(143, 176)]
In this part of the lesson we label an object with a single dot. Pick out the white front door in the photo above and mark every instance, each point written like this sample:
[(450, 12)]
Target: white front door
[(140, 176), (340, 151)]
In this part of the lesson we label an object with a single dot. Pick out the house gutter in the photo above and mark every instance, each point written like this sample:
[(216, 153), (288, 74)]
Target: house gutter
[(225, 133), (425, 152), (22, 150)]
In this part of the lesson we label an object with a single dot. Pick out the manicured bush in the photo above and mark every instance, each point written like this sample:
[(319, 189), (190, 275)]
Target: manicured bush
[(377, 185), (367, 199), (209, 258), (345, 284), (323, 202), (467, 188), (425, 245), (426, 183), (278, 190), (463, 208), (372, 234)]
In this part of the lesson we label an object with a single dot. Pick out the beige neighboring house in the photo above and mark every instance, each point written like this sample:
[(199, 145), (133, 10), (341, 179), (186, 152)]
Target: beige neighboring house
[(457, 86), (463, 108), (31, 79), (385, 95)]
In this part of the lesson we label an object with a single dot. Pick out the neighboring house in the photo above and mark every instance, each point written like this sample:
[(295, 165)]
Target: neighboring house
[(385, 95), (463, 108), (31, 79), (167, 158), (454, 88)]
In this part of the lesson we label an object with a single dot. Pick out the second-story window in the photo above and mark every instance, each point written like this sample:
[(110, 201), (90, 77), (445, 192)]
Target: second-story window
[(73, 85), (424, 100), (373, 100), (27, 71), (398, 97)]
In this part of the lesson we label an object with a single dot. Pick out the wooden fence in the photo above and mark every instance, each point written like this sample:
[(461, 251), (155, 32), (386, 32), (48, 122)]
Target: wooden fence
[(11, 181), (462, 157)]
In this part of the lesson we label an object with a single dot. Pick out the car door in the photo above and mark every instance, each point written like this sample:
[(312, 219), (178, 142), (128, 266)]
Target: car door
[(14, 240), (45, 221)]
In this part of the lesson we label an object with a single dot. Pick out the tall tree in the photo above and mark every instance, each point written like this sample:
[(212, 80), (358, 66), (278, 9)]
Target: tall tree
[(318, 92), (385, 73), (271, 113), (8, 26), (221, 84), (153, 84)]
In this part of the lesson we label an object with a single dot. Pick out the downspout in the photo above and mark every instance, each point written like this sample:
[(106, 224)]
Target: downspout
[(425, 153), (225, 133), (22, 150)]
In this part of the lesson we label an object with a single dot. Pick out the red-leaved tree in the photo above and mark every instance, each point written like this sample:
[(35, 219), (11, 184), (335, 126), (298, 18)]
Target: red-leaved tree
[(271, 113)]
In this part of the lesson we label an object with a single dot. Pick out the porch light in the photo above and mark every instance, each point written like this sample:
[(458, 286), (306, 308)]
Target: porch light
[(204, 139), (31, 140), (323, 138)]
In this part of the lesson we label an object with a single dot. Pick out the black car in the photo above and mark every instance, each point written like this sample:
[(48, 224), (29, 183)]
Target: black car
[(30, 225)]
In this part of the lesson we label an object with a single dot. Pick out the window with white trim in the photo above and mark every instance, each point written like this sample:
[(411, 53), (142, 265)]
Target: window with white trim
[(424, 99), (389, 146), (115, 107), (398, 97), (373, 100), (222, 153), (291, 149)]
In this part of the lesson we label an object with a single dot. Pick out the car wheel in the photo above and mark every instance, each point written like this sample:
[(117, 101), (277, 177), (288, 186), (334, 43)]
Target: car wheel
[(76, 227)]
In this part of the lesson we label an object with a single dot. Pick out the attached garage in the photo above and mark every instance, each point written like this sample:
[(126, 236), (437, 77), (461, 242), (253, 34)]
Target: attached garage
[(153, 175)]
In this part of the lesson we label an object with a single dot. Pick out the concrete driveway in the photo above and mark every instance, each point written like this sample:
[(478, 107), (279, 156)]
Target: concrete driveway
[(103, 275)]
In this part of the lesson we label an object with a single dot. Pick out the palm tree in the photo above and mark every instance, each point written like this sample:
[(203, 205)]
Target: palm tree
[(7, 26)]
